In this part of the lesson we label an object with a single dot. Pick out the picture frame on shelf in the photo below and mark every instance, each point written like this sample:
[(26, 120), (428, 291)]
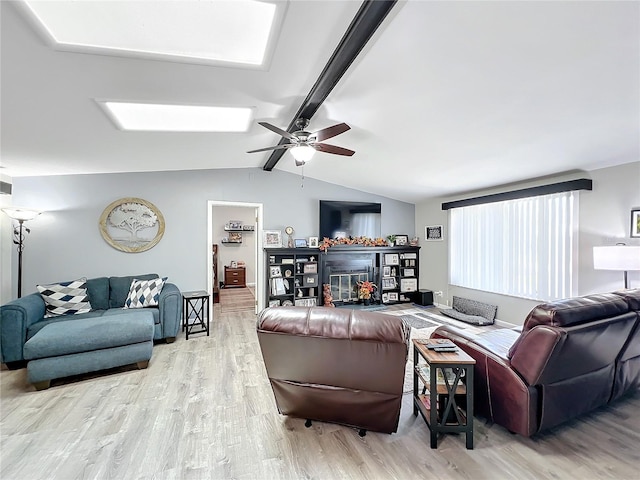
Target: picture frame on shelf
[(272, 238), (393, 296), (391, 259), (386, 271), (408, 284), (313, 242), (300, 243), (274, 303), (635, 223), (235, 237), (310, 268), (389, 283), (408, 272), (385, 298), (434, 233), (275, 271), (401, 240)]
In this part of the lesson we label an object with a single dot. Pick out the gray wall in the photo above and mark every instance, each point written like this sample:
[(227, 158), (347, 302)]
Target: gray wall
[(604, 219), (65, 242)]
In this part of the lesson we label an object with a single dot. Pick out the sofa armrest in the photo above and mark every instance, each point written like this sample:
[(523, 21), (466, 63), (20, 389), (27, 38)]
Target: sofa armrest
[(501, 394), (170, 306), (15, 318)]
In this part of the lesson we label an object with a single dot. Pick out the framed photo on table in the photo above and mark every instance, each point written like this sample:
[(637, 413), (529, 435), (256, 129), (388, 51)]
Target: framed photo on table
[(401, 240), (272, 238)]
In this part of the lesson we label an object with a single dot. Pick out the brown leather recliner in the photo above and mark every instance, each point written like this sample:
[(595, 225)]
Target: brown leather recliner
[(571, 357), (336, 365)]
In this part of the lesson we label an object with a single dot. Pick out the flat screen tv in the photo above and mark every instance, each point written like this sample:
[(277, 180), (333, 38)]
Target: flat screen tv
[(349, 219)]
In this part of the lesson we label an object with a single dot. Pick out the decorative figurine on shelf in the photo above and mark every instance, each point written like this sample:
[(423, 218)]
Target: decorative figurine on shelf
[(326, 292), (300, 294), (289, 231)]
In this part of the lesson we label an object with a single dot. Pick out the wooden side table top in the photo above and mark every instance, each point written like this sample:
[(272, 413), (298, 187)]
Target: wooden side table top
[(459, 357)]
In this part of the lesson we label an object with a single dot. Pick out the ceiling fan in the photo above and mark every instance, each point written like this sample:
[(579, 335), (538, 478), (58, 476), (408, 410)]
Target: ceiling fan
[(303, 144)]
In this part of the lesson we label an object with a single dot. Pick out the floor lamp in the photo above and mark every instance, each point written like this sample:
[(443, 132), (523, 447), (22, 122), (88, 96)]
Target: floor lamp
[(617, 257), (21, 215)]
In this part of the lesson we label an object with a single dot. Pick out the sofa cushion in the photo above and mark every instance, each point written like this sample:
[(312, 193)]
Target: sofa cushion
[(36, 327), (119, 288), (144, 293), (124, 312), (65, 298), (98, 289), (71, 336)]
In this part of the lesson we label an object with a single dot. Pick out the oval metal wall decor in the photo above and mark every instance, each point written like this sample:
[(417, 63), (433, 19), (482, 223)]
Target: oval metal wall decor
[(132, 225)]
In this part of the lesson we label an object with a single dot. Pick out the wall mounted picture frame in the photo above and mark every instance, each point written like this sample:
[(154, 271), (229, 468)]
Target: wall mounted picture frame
[(272, 238), (300, 242), (434, 233), (131, 225), (313, 242), (401, 240), (635, 223)]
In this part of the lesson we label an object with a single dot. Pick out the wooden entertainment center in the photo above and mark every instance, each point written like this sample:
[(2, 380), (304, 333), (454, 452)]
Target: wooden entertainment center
[(295, 276)]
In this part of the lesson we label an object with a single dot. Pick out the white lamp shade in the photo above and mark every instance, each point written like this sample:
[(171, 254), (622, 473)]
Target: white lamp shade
[(616, 257), (23, 214), (303, 153)]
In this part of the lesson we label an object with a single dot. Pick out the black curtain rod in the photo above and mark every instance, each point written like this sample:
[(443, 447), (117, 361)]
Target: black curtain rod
[(581, 184)]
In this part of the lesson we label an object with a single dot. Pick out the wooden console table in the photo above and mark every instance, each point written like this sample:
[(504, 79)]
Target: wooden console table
[(437, 400)]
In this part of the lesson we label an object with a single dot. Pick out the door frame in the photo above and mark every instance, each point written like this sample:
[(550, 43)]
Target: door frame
[(259, 257)]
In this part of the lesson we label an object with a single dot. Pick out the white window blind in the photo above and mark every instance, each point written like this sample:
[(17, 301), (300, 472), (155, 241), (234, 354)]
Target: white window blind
[(525, 247)]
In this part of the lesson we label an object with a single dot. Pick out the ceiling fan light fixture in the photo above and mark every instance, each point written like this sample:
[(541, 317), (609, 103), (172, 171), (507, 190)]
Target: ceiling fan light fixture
[(303, 153)]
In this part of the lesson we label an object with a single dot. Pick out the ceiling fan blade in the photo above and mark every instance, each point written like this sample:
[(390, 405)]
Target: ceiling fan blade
[(277, 130), (331, 131), (324, 147), (276, 147)]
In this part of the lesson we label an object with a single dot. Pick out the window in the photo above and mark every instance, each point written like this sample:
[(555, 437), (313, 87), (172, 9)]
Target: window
[(525, 247)]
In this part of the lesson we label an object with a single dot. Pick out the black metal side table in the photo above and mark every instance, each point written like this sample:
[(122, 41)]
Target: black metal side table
[(196, 303)]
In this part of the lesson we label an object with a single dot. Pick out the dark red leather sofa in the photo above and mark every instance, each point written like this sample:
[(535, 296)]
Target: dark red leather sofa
[(336, 365), (571, 357)]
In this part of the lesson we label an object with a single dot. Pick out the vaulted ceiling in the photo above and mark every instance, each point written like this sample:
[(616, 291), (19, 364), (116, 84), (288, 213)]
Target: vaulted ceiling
[(447, 97)]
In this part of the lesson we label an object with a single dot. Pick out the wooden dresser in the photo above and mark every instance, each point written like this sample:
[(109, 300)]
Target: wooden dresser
[(234, 277)]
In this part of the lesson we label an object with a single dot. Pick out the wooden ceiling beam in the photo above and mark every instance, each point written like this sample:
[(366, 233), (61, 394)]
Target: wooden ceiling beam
[(362, 27)]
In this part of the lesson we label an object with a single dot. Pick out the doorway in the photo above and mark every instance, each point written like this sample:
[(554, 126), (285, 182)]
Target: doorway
[(236, 229)]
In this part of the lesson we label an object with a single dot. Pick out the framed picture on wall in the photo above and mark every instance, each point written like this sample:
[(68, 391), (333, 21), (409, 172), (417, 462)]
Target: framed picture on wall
[(434, 233), (635, 223)]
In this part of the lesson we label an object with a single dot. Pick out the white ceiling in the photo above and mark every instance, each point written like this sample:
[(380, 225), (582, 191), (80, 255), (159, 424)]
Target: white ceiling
[(447, 97)]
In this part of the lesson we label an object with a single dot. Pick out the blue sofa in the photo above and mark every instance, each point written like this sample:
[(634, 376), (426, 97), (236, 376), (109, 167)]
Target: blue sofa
[(22, 319)]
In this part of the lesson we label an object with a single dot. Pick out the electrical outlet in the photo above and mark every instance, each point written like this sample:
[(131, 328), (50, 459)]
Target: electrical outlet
[(438, 293)]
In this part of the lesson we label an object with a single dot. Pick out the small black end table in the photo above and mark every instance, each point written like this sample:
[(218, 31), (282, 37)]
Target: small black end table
[(196, 303)]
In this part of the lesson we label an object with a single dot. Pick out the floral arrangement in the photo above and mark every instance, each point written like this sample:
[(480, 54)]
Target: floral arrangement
[(364, 241), (366, 288)]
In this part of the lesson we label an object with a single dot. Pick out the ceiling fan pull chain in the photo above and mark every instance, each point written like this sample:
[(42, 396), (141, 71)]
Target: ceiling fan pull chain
[(302, 182)]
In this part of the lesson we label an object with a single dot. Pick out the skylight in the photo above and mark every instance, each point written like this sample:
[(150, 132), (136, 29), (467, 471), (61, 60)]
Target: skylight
[(177, 118), (236, 31)]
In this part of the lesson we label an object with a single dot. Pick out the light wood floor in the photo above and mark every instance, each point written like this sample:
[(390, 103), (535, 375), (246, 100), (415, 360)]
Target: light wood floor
[(204, 409)]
